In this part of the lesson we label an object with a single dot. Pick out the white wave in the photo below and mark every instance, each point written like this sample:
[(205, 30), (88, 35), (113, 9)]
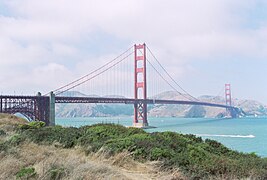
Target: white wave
[(227, 135)]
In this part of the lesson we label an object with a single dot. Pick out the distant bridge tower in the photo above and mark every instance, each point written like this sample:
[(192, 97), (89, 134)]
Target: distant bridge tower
[(140, 87), (228, 98)]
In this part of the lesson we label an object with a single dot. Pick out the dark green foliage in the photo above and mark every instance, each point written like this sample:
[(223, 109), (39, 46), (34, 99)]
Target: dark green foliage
[(3, 146), (197, 158), (218, 148), (67, 137), (32, 125), (15, 140), (2, 132), (26, 173), (57, 172), (97, 135)]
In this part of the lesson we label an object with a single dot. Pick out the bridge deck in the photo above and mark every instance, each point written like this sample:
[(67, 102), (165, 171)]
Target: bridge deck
[(38, 107), (62, 99)]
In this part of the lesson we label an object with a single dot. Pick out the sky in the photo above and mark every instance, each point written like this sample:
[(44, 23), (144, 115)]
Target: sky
[(203, 44)]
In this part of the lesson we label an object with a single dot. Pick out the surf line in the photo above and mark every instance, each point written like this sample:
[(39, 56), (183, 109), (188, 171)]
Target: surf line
[(226, 135)]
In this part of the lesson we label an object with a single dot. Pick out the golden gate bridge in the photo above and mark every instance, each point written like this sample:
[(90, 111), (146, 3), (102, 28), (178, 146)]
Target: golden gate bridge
[(148, 76)]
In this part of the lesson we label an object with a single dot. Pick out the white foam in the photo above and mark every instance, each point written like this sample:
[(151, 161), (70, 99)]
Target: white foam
[(227, 135)]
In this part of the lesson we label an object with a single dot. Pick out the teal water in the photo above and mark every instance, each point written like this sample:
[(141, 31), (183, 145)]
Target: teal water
[(243, 134)]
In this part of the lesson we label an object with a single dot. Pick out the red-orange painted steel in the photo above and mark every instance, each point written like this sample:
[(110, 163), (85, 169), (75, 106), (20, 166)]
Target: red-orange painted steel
[(228, 97), (140, 109)]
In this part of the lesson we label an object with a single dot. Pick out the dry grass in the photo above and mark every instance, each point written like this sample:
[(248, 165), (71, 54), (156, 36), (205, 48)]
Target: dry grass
[(8, 123), (51, 162), (74, 164), (9, 120)]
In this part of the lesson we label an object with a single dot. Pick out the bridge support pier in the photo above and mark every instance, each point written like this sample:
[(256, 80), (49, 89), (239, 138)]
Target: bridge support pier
[(52, 101), (140, 115)]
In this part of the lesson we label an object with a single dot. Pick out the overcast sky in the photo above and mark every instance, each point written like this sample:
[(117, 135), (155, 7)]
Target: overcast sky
[(46, 43)]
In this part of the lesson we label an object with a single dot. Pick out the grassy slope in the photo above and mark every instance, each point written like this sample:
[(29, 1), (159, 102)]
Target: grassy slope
[(51, 161), (117, 146)]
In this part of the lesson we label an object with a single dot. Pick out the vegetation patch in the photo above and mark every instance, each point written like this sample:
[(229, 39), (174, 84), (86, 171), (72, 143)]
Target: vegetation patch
[(32, 125), (197, 157), (26, 173), (8, 119), (66, 137), (57, 172), (2, 132)]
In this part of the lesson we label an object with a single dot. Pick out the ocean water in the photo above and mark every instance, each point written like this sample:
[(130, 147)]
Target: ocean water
[(242, 134)]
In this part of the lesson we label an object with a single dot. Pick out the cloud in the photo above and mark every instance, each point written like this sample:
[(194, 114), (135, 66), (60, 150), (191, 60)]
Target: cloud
[(187, 29), (39, 38)]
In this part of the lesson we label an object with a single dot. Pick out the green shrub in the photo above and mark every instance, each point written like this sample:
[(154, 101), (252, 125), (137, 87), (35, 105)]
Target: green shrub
[(2, 132), (31, 125), (159, 153), (26, 173), (197, 158), (57, 172), (216, 147), (15, 140), (67, 137), (37, 124), (99, 135), (3, 146)]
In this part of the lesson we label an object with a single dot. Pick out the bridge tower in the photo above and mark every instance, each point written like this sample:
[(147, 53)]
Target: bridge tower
[(228, 98), (140, 87)]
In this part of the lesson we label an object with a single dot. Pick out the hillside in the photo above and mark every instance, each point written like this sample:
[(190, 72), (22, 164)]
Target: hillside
[(108, 151), (50, 158), (251, 107)]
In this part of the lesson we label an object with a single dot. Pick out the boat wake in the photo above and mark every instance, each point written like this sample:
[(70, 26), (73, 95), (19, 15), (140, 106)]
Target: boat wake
[(225, 135)]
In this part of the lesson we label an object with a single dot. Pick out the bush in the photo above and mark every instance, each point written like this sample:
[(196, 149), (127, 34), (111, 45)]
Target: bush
[(2, 132), (32, 125), (67, 137), (15, 140), (3, 146), (37, 124), (200, 159), (159, 153), (26, 173), (57, 172), (99, 135)]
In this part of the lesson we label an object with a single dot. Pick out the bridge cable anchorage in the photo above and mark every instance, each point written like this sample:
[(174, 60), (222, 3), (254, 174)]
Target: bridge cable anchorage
[(85, 76), (86, 80), (171, 76)]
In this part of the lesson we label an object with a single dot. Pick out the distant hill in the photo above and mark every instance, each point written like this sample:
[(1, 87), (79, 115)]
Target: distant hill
[(92, 110), (250, 107), (77, 94)]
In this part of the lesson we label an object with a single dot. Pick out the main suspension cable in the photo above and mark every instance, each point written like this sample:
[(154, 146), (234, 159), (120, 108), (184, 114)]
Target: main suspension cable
[(170, 75), (82, 82), (85, 76)]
